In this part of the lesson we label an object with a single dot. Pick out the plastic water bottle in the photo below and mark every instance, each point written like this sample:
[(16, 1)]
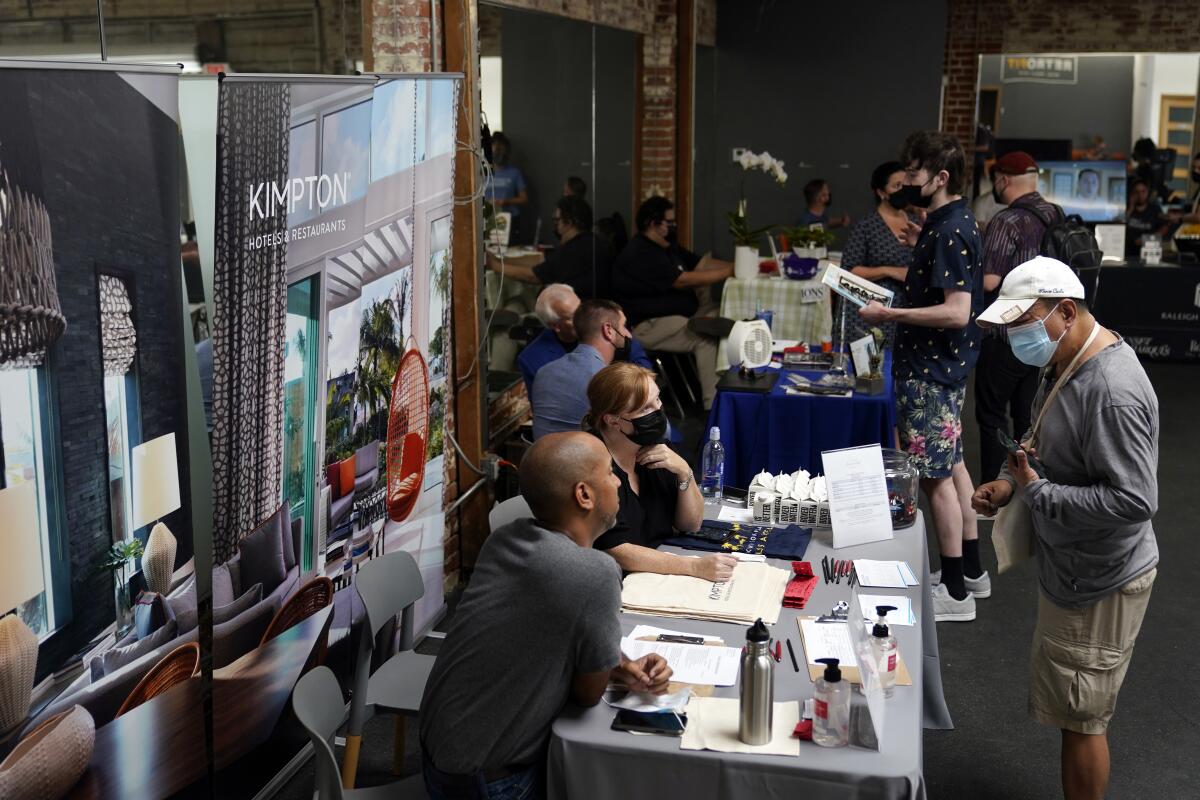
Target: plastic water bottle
[(712, 467)]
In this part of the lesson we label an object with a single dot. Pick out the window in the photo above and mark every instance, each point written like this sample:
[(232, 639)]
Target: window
[(26, 446), (302, 162), (441, 117), (346, 147), (300, 385), (393, 117)]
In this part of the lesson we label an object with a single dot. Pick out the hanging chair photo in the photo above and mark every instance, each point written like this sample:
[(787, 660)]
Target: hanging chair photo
[(407, 434)]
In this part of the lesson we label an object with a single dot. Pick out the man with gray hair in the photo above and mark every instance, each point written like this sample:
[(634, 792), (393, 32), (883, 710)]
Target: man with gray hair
[(1086, 475), (543, 608), (555, 308)]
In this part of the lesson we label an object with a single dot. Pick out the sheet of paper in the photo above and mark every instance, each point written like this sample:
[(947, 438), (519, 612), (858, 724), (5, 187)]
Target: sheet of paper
[(690, 663), (860, 351), (886, 574), (858, 498), (642, 631), (732, 514), (827, 640), (713, 725), (1111, 239), (903, 615), (910, 577)]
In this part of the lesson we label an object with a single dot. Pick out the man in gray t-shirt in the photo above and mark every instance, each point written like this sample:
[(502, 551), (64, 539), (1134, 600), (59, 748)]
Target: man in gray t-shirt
[(537, 626), (1091, 512)]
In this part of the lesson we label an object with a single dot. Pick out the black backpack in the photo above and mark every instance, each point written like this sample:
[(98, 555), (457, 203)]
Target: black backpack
[(1067, 240)]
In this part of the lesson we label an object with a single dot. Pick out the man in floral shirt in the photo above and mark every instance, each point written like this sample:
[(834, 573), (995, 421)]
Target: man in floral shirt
[(937, 344)]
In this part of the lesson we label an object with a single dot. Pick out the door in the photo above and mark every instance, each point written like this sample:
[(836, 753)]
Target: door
[(1176, 130), (301, 361)]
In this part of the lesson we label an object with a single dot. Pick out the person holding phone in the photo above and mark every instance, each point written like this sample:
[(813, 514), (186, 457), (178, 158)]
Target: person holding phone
[(542, 608), (1090, 508)]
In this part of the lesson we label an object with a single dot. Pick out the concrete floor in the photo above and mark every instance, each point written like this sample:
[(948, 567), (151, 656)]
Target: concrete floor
[(997, 752)]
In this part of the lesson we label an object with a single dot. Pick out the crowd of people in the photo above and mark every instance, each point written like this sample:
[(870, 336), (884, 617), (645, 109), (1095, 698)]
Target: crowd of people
[(1069, 443)]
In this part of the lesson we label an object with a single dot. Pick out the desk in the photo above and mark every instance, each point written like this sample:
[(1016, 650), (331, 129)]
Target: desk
[(784, 432), (588, 760), (1156, 308), (158, 748), (802, 309)]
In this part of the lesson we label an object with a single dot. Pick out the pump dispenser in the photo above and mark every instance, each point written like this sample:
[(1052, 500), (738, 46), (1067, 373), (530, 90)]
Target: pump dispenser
[(757, 687), (831, 707), (883, 648)]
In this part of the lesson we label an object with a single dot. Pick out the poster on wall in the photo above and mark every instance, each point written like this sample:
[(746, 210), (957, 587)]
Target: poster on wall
[(332, 290), (95, 467)]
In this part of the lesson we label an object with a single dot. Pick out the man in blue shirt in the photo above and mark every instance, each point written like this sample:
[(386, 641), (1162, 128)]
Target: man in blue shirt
[(506, 189), (937, 345), (559, 396), (555, 307)]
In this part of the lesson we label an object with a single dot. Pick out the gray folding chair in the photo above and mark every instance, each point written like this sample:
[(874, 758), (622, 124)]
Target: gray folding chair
[(388, 585), (512, 509), (317, 701)]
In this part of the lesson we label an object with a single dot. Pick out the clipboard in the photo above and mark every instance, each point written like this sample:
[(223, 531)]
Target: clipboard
[(850, 672)]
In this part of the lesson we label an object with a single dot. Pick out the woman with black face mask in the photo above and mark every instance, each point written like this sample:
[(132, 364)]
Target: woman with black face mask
[(873, 249), (658, 492)]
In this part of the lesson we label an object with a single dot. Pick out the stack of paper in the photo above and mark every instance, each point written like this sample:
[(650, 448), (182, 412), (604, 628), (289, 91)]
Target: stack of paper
[(755, 590), (713, 725), (888, 574), (691, 663), (903, 614)]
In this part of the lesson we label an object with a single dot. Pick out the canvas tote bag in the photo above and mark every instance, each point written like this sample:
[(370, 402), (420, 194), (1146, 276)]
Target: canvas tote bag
[(1012, 532)]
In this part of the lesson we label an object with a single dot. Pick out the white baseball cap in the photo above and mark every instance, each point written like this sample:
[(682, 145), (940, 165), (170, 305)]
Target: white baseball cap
[(1026, 284)]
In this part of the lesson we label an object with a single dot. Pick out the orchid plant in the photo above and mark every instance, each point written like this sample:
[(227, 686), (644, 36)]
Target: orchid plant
[(739, 226)]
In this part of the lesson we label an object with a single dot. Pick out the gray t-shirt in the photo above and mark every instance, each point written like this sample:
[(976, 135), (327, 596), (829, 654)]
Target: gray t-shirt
[(1099, 445), (539, 610)]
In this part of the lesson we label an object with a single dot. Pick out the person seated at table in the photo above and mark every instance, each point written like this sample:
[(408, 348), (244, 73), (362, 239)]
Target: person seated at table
[(873, 249), (559, 397), (542, 608), (818, 197), (658, 491), (506, 189), (656, 282), (1143, 218), (575, 185), (555, 307), (582, 260)]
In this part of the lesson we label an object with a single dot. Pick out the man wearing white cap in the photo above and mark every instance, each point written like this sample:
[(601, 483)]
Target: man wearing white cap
[(1087, 474)]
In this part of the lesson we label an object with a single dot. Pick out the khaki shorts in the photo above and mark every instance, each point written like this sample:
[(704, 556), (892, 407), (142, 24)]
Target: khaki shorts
[(1080, 656)]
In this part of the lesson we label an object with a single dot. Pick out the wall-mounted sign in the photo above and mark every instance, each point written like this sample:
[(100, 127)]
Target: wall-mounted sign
[(1039, 69)]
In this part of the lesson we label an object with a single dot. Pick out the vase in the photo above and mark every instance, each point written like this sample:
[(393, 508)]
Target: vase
[(124, 606), (745, 263), (158, 562)]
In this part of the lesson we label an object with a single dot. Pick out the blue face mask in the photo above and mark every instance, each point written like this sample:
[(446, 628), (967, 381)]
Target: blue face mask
[(1031, 344)]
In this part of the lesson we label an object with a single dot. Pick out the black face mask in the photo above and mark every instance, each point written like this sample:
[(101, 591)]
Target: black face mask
[(913, 196), (621, 352), (898, 199), (672, 232), (648, 429)]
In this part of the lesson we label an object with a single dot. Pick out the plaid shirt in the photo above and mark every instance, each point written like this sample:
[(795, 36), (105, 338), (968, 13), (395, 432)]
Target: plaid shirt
[(1014, 236)]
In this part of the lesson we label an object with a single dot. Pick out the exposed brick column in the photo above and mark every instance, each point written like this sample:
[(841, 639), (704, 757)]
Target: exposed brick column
[(396, 36), (973, 27), (658, 104)]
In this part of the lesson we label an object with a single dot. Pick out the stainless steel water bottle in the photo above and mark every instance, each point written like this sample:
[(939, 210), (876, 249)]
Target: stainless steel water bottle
[(757, 687)]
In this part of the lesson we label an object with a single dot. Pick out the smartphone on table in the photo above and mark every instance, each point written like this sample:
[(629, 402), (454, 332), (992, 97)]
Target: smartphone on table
[(663, 723), (1012, 447)]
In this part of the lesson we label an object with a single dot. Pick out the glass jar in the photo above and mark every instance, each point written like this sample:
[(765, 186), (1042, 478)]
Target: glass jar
[(901, 476)]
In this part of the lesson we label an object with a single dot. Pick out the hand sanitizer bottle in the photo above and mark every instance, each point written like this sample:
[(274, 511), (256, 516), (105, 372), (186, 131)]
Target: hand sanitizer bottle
[(831, 707), (883, 648)]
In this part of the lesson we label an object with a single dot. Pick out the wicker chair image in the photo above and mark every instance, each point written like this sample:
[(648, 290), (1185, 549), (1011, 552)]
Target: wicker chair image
[(308, 600), (408, 434), (175, 667)]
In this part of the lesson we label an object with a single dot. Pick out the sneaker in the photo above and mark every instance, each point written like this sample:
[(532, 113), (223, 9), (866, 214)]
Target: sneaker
[(981, 587), (947, 609)]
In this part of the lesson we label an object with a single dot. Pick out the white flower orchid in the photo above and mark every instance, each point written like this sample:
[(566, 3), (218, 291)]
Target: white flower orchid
[(763, 161)]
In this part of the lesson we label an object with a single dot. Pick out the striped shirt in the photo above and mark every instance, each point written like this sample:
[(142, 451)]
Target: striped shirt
[(1014, 236)]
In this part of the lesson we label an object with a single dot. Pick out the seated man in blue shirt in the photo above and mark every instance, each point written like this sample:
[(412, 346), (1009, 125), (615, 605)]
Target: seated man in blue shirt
[(559, 396), (555, 307)]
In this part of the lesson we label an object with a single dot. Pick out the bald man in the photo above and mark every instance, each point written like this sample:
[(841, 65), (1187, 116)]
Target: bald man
[(538, 626)]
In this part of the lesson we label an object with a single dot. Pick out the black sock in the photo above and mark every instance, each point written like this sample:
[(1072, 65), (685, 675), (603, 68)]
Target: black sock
[(952, 577), (971, 566)]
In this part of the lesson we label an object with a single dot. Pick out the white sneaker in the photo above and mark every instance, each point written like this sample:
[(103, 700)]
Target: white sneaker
[(947, 609), (981, 587)]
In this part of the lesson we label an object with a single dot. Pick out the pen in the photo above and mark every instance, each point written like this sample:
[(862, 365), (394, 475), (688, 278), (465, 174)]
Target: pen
[(792, 653)]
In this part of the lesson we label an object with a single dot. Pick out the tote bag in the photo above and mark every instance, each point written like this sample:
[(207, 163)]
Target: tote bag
[(1012, 532)]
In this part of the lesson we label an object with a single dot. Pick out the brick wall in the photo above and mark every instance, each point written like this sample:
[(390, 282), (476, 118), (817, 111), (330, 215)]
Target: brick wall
[(251, 35), (659, 94), (976, 27)]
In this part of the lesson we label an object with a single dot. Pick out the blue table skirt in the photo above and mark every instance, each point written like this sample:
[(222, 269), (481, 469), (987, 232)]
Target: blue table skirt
[(781, 432)]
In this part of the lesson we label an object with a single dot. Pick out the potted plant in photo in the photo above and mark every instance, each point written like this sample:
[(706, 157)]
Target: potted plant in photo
[(745, 238), (120, 560)]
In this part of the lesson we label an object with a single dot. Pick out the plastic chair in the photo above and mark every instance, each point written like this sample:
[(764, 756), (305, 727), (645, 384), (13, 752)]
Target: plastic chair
[(510, 510), (308, 600), (173, 669), (388, 585), (318, 704)]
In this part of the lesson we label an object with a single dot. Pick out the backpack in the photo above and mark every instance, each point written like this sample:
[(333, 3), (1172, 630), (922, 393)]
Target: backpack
[(1067, 240)]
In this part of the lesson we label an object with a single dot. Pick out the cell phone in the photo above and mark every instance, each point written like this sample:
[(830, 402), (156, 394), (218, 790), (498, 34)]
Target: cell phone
[(1012, 447), (664, 723)]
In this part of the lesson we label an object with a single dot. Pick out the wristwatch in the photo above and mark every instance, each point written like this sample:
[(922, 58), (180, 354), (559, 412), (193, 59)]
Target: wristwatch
[(684, 484)]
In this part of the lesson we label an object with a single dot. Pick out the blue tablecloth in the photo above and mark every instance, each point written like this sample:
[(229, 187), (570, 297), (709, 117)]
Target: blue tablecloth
[(781, 432)]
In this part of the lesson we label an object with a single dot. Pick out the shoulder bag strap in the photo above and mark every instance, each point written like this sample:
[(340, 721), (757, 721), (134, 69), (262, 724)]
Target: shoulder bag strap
[(1062, 379)]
